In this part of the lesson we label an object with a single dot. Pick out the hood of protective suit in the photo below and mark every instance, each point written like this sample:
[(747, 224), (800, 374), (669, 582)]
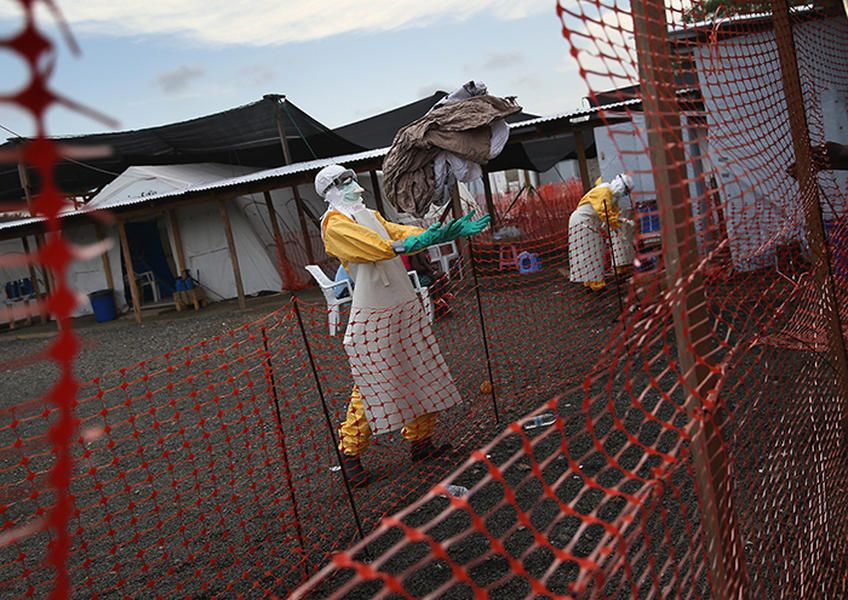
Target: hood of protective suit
[(346, 200), (621, 185)]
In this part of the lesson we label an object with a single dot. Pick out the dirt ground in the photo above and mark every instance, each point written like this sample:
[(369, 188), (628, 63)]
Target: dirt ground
[(206, 464)]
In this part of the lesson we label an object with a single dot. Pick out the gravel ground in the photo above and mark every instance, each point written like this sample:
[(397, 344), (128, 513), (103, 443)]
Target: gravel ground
[(179, 483), (208, 470)]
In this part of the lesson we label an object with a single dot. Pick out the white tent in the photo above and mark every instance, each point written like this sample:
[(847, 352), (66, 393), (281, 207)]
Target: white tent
[(201, 229), (754, 181)]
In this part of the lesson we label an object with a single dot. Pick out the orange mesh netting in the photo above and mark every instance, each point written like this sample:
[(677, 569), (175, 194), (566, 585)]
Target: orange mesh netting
[(645, 393)]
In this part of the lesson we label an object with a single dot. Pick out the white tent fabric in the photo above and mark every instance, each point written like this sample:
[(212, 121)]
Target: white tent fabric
[(201, 229), (82, 276)]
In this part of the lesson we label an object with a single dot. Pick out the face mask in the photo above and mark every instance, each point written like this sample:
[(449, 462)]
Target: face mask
[(351, 192)]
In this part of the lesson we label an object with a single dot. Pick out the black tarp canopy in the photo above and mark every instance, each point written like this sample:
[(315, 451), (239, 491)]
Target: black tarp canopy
[(537, 155), (247, 135)]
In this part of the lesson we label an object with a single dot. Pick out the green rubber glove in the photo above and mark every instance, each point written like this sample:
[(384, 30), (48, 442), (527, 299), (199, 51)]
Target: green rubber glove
[(468, 227), (439, 234), (428, 237)]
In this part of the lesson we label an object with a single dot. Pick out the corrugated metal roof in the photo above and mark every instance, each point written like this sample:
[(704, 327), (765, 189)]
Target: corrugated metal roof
[(574, 114), (223, 184), (693, 29)]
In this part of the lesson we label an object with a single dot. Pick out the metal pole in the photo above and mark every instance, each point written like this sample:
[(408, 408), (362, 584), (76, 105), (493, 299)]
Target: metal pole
[(692, 322), (490, 201), (612, 261), (329, 420), (581, 160), (289, 479), (484, 333)]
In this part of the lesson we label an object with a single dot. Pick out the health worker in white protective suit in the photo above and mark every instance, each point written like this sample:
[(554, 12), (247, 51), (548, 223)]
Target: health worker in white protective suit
[(401, 380), (587, 232)]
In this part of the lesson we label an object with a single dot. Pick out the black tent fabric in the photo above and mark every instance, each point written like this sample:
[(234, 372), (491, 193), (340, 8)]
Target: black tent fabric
[(540, 155), (246, 135), (379, 132)]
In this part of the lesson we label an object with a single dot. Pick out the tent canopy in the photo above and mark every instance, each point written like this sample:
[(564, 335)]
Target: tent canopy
[(202, 232), (246, 135), (379, 132)]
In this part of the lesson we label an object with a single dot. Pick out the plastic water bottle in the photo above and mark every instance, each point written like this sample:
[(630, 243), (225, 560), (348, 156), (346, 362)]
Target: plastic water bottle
[(543, 420), (457, 491)]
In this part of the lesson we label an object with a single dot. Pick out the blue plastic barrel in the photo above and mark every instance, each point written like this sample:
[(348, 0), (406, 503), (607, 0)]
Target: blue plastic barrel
[(103, 305)]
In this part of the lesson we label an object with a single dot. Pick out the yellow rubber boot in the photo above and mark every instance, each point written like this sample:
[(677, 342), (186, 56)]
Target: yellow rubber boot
[(355, 433)]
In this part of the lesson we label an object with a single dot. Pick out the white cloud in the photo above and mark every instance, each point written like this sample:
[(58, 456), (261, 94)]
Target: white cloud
[(263, 22)]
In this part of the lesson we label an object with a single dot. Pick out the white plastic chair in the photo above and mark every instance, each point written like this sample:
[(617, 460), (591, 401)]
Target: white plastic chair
[(143, 280), (329, 288), (443, 254), (147, 279), (423, 292)]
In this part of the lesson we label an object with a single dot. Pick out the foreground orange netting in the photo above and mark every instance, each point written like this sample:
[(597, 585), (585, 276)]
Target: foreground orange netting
[(678, 433)]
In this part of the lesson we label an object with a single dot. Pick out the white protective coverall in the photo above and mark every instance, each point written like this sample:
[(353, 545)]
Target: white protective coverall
[(587, 231), (400, 376)]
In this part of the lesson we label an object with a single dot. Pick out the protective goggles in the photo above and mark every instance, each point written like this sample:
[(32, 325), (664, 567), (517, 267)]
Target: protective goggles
[(343, 179)]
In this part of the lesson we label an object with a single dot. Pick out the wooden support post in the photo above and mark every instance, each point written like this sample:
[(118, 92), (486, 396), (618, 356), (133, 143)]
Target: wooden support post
[(827, 499), (24, 179), (581, 160), (287, 275), (275, 224), (46, 274), (39, 238), (378, 196), (692, 324), (490, 201), (36, 288), (456, 201), (287, 158), (231, 246), (304, 226), (278, 100), (107, 264), (810, 199), (178, 241), (134, 292), (462, 243), (180, 297)]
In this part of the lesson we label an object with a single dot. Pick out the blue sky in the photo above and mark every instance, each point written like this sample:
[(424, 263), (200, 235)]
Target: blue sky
[(149, 63)]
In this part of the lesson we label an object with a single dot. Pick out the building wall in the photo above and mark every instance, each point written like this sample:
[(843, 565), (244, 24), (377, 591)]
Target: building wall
[(749, 136)]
